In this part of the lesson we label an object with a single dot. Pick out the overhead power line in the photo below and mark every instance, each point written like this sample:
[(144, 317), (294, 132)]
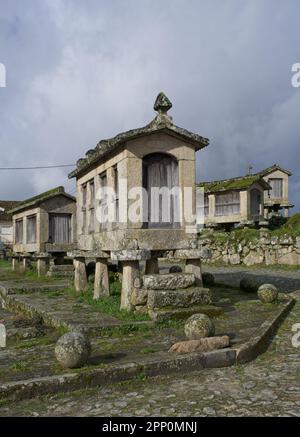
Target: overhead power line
[(37, 167)]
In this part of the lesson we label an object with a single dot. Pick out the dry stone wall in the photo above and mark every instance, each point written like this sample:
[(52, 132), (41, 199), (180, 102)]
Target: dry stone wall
[(266, 250)]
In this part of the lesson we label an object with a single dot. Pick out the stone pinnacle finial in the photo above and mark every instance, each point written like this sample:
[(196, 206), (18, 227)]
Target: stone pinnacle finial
[(162, 103)]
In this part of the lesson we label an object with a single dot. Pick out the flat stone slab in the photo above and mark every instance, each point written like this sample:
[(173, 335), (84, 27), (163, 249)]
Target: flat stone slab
[(192, 253), (131, 255), (169, 281), (61, 312), (13, 287), (183, 313), (88, 254), (178, 298)]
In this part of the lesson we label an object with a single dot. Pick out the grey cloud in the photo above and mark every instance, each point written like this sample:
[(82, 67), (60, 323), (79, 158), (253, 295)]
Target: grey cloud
[(82, 71)]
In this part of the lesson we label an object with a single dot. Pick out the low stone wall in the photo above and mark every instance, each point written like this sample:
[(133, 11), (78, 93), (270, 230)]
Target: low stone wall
[(266, 250)]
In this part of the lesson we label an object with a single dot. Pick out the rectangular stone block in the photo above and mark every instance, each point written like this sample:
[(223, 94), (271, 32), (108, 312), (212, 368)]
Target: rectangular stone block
[(192, 253), (169, 281), (178, 298), (131, 255)]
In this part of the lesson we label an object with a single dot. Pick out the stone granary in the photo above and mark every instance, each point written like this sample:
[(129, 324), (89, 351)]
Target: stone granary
[(159, 155), (230, 202), (277, 199), (44, 226)]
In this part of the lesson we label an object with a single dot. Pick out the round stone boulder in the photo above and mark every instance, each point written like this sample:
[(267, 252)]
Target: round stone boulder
[(175, 269), (267, 293), (199, 326), (208, 279), (72, 350), (249, 285)]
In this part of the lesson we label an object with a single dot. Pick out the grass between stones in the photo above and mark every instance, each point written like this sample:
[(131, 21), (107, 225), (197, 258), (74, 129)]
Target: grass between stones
[(109, 305), (20, 366)]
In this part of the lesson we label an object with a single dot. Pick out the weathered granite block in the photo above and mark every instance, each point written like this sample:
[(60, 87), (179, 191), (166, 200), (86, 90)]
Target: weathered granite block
[(178, 298), (169, 281), (192, 253), (139, 297), (131, 255)]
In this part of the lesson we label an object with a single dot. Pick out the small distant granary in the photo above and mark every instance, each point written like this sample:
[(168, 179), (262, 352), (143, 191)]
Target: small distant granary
[(247, 200), (44, 226), (157, 155), (6, 223), (277, 199), (232, 201)]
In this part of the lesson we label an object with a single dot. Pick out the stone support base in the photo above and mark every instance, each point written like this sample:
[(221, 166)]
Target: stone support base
[(194, 266), (101, 285), (130, 280), (43, 262), (80, 280), (16, 264), (26, 262)]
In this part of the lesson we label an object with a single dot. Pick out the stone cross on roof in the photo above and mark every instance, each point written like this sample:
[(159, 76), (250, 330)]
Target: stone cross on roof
[(162, 103)]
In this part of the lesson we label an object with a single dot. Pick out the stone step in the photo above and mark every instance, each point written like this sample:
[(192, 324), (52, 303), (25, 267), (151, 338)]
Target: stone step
[(168, 281), (178, 298), (61, 268), (10, 287), (160, 315), (61, 271)]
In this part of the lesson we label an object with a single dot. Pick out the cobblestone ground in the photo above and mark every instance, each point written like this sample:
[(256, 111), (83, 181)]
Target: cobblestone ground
[(268, 386)]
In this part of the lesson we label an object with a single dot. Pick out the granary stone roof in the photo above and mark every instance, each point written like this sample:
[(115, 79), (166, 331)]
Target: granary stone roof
[(161, 123), (5, 207), (272, 168), (238, 183), (36, 200)]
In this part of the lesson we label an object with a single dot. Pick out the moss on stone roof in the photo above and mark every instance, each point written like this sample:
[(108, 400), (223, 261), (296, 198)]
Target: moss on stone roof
[(240, 183), (33, 201), (161, 123)]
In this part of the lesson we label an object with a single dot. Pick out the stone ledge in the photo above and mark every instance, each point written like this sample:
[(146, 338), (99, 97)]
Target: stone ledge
[(131, 255), (166, 313), (192, 253), (87, 254), (30, 388), (259, 343)]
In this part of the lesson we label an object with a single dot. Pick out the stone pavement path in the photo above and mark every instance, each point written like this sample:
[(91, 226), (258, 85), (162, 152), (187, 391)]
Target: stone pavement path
[(285, 281), (269, 386)]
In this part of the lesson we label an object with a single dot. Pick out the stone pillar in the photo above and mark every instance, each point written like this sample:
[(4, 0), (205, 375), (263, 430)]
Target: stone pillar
[(80, 281), (131, 273), (101, 285), (26, 262), (43, 261), (16, 263), (286, 212), (151, 266), (194, 266)]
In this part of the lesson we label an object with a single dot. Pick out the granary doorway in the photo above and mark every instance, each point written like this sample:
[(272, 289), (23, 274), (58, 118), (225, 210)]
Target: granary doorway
[(160, 179), (255, 204), (60, 228)]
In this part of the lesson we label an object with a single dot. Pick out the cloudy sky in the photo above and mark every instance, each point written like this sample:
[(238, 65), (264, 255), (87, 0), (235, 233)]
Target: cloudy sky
[(79, 71)]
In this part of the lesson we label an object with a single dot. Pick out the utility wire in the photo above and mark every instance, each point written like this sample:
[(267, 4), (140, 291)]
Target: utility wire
[(37, 167)]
